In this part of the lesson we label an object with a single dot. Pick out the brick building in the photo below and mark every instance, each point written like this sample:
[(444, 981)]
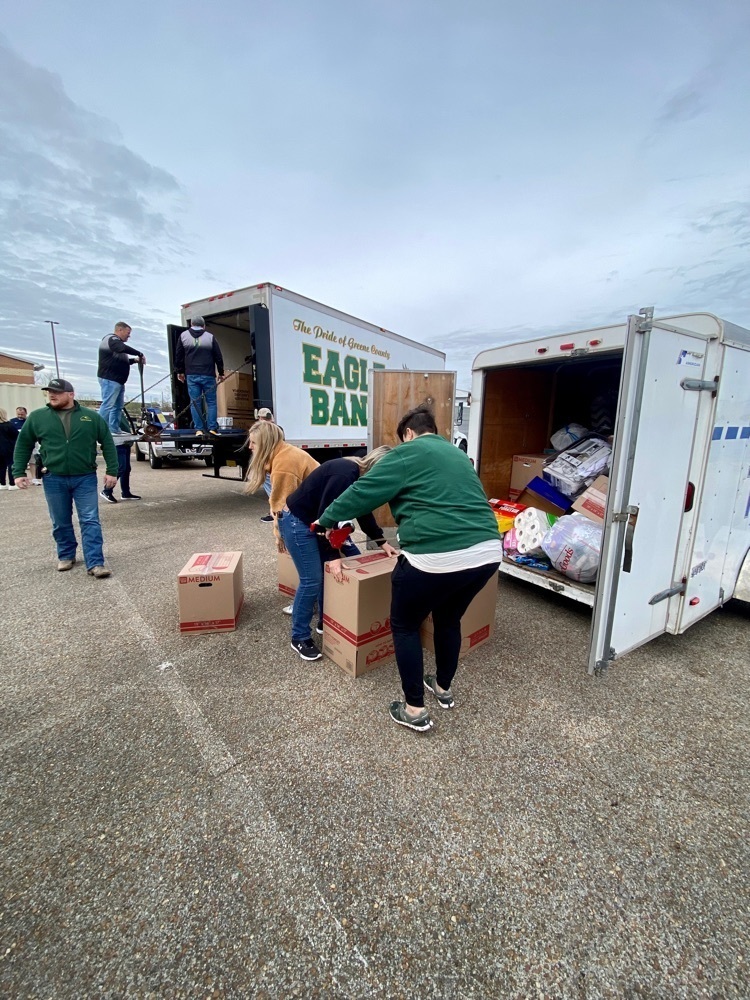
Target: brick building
[(17, 370)]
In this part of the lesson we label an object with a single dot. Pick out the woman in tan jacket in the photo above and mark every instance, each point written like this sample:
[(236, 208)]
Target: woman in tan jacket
[(287, 466)]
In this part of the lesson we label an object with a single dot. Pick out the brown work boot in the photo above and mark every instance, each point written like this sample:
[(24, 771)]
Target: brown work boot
[(63, 564), (99, 572)]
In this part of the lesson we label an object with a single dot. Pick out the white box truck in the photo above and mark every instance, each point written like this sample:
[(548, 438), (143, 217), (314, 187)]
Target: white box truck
[(677, 523), (308, 363)]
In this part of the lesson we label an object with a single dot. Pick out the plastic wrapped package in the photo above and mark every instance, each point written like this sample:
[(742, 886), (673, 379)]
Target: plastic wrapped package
[(578, 466), (567, 436), (530, 527), (510, 542), (574, 545)]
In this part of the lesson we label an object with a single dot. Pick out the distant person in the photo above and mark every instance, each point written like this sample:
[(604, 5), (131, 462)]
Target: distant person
[(20, 417), (265, 414), (8, 435), (68, 435), (115, 359), (450, 549), (198, 361), (309, 552), (123, 470)]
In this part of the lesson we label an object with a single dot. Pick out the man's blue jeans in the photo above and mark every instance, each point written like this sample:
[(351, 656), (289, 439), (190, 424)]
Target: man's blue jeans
[(203, 385), (302, 546), (61, 492), (113, 399)]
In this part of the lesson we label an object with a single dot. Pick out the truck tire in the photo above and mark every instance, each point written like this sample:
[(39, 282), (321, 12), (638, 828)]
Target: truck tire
[(139, 456), (463, 446), (156, 462), (208, 459)]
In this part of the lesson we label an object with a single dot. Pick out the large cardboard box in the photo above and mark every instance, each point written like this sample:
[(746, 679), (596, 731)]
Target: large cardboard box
[(234, 398), (523, 470), (209, 592), (477, 625), (356, 621), (593, 501), (288, 576)]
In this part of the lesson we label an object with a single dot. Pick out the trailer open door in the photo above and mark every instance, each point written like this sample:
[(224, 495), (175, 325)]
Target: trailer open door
[(392, 392), (180, 397), (665, 407)]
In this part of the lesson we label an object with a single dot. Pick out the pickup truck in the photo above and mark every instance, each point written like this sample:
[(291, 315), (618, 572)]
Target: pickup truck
[(160, 451)]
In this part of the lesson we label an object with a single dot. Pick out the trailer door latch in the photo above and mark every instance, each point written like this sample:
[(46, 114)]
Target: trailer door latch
[(700, 385), (678, 588)]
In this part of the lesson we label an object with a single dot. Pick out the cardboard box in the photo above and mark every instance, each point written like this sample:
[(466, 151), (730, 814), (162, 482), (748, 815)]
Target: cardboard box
[(234, 397), (477, 625), (288, 576), (523, 470), (544, 497), (593, 501), (209, 592), (356, 623)]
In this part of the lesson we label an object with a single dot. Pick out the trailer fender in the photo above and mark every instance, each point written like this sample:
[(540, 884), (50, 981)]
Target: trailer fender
[(742, 590)]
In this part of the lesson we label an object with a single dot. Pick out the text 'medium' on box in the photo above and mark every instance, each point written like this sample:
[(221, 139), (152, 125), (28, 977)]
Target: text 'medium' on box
[(356, 620), (209, 592)]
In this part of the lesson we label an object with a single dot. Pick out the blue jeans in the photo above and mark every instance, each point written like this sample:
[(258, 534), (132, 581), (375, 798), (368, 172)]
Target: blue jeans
[(267, 485), (61, 492), (303, 547), (113, 399), (203, 385)]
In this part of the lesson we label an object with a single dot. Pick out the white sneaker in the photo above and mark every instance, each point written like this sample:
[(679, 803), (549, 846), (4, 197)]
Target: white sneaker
[(288, 609), (12, 487), (37, 482), (3, 487)]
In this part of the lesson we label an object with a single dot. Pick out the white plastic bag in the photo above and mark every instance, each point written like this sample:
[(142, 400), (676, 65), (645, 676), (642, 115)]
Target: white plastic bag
[(567, 436), (574, 545), (577, 467)]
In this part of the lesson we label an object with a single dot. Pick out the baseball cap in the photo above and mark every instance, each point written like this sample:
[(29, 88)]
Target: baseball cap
[(264, 413), (58, 385)]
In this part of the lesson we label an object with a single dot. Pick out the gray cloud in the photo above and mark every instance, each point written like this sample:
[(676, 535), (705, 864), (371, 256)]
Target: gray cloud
[(82, 218)]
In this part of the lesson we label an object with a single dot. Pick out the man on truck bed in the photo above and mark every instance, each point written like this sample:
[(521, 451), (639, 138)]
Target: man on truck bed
[(197, 359), (113, 371)]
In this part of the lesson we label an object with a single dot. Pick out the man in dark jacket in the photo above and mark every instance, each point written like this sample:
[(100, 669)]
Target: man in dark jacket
[(68, 435), (198, 360), (115, 359)]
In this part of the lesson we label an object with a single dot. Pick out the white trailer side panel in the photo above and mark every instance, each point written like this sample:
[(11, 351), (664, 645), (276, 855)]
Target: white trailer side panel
[(320, 363), (722, 532)]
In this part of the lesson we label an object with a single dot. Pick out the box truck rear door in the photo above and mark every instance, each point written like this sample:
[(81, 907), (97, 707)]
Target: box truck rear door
[(659, 405)]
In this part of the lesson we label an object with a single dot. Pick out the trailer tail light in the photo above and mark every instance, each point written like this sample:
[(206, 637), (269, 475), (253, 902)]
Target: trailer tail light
[(541, 350), (567, 347), (693, 601), (594, 343), (689, 496)]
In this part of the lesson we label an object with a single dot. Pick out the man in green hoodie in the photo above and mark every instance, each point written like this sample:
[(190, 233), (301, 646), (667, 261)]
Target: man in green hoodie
[(450, 548), (68, 435)]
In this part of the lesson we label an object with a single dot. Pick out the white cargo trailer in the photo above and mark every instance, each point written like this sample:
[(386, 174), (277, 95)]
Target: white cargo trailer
[(309, 363), (677, 523)]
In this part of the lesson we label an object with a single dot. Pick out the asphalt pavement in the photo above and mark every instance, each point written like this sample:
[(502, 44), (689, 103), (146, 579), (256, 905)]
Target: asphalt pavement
[(209, 816)]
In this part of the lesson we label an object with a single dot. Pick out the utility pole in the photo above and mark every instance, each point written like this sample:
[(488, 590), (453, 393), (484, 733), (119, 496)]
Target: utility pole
[(52, 324)]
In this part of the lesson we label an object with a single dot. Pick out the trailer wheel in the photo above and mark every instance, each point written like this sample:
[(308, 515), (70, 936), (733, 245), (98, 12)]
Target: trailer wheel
[(139, 456), (463, 446), (155, 461)]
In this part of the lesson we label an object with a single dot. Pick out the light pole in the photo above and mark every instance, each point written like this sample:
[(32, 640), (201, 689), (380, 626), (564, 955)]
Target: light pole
[(52, 324)]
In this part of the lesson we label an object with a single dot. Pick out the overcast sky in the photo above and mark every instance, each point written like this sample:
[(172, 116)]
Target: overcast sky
[(462, 173)]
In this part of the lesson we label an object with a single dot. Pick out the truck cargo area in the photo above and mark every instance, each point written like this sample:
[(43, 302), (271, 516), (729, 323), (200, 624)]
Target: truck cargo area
[(523, 405)]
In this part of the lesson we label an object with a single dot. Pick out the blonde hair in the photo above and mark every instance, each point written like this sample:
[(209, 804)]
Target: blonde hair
[(371, 458), (266, 439), (3, 415)]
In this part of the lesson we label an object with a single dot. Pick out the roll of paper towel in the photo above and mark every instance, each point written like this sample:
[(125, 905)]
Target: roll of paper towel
[(531, 525)]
